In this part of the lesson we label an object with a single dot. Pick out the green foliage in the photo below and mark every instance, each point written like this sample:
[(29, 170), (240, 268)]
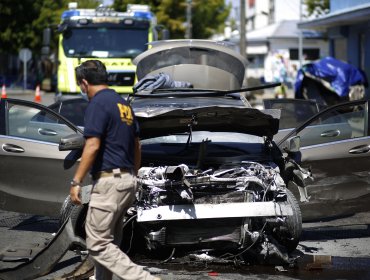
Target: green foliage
[(22, 22), (317, 7), (173, 16), (16, 28), (208, 16)]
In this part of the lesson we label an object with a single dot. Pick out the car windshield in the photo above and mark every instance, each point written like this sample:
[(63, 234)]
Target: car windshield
[(201, 136), (104, 42)]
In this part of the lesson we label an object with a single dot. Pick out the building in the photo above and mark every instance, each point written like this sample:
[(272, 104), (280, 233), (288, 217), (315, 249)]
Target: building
[(273, 40), (347, 26), (280, 41)]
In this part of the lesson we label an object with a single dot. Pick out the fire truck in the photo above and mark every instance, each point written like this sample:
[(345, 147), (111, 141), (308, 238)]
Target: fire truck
[(115, 38)]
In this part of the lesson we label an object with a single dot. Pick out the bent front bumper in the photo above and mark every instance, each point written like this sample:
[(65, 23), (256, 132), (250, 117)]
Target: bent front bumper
[(214, 211)]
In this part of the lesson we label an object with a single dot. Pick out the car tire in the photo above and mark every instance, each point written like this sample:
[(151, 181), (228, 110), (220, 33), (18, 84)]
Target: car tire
[(293, 224), (78, 216)]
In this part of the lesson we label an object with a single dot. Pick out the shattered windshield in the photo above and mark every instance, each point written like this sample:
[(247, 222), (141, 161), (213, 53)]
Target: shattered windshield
[(104, 42)]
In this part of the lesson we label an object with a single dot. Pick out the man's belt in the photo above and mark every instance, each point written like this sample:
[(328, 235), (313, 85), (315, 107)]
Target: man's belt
[(111, 173)]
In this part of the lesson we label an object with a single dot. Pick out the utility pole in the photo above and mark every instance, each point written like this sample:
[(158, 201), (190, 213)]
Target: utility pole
[(300, 38), (243, 37), (189, 26)]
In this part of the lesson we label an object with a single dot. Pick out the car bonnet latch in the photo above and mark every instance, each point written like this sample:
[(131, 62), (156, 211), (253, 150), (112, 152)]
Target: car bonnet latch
[(192, 122)]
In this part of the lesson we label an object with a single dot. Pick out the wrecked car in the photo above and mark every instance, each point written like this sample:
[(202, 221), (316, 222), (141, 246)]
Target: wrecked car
[(217, 190), (208, 134), (212, 179)]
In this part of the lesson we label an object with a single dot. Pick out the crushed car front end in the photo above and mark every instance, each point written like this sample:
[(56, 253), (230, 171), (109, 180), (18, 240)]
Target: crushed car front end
[(212, 180)]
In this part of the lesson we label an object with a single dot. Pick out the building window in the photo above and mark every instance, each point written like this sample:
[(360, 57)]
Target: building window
[(308, 54), (255, 61)]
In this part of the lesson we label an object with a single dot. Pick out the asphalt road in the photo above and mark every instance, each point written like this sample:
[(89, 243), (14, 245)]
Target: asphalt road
[(339, 251), (47, 98)]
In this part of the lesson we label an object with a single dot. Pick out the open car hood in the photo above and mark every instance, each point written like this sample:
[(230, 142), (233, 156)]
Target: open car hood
[(203, 63), (165, 121)]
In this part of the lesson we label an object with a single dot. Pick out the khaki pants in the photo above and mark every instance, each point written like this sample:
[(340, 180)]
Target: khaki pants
[(110, 199)]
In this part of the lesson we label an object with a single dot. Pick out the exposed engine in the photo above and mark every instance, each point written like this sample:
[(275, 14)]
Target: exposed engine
[(179, 184), (232, 209)]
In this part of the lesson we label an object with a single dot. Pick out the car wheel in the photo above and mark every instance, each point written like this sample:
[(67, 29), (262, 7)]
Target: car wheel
[(289, 237), (78, 216)]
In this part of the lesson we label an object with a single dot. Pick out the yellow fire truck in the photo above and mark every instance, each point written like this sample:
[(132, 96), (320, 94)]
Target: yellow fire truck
[(113, 37)]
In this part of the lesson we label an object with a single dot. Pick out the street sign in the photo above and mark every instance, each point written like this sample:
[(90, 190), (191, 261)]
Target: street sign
[(25, 55)]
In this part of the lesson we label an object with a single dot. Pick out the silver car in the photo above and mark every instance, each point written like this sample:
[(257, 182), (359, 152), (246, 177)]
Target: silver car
[(335, 145)]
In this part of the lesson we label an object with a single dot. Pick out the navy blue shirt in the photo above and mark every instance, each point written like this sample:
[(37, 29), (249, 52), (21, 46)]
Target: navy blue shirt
[(110, 118)]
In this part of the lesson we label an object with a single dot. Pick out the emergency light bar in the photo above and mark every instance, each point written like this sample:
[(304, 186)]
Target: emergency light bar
[(135, 11)]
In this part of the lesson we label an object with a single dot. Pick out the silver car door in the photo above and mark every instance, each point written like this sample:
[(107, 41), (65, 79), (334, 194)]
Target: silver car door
[(33, 179), (293, 113), (336, 147)]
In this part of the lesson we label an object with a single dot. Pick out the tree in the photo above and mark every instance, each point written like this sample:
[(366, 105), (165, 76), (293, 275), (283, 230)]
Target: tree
[(22, 22), (16, 19), (317, 7), (208, 16)]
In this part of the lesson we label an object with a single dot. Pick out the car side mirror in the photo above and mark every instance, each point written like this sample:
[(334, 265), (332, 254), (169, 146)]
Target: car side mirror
[(71, 142), (292, 144)]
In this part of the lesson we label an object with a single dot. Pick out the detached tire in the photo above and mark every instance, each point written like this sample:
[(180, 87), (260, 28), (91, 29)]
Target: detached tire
[(78, 216), (289, 238)]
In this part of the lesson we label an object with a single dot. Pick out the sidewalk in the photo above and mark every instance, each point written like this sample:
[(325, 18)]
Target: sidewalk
[(47, 98), (15, 91)]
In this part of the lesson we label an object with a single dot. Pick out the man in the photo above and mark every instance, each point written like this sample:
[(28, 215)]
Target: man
[(112, 154)]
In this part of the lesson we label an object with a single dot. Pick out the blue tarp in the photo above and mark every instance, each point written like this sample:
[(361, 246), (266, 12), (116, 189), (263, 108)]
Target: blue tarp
[(338, 74)]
